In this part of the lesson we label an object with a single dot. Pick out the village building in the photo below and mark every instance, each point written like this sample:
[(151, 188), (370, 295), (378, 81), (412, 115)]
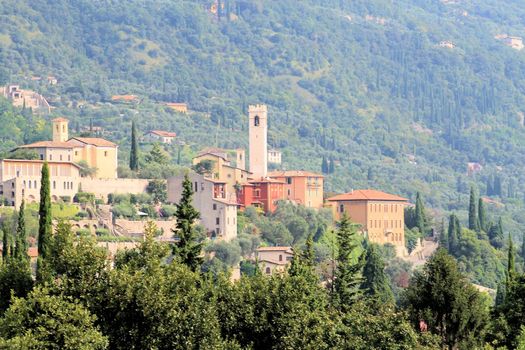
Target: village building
[(218, 214), (98, 153), (178, 107), (264, 193), (301, 187), (379, 214), (234, 176), (274, 259), (274, 156), (124, 98), (25, 98), (258, 140), (162, 136), (20, 179)]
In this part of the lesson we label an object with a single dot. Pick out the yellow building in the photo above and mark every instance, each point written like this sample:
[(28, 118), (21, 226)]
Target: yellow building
[(98, 153), (381, 215), (223, 170)]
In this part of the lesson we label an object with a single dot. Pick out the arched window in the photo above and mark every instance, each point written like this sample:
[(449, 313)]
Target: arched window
[(256, 121), (268, 271)]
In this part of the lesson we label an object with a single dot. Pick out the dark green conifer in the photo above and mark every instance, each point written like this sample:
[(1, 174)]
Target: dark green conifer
[(482, 215), (472, 213), (45, 227), (187, 249), (375, 283), (420, 214), (134, 156), (511, 268), (21, 237), (324, 166), (348, 276)]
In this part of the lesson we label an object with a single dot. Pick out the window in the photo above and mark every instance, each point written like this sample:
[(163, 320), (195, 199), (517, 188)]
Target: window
[(268, 271), (341, 208), (41, 157), (202, 186), (76, 153), (35, 183), (280, 257), (256, 121), (24, 186), (54, 185), (217, 221), (60, 157), (29, 184), (196, 185), (50, 157), (69, 158), (105, 153), (214, 206), (289, 192), (289, 180)]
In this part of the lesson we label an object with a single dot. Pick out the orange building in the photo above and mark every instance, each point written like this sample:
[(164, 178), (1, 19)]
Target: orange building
[(263, 193), (301, 187), (381, 215)]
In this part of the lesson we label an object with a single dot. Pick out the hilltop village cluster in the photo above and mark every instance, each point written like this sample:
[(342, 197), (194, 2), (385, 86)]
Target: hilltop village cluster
[(226, 186)]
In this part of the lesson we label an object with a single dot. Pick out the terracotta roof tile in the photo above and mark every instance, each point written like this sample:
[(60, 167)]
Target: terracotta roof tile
[(95, 141), (367, 195), (293, 173), (163, 133), (48, 144), (60, 120), (270, 249)]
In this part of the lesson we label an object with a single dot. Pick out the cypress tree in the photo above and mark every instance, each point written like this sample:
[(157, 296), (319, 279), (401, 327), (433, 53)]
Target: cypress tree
[(187, 249), (331, 166), (523, 247), (44, 225), (500, 295), (375, 282), (490, 187), (420, 214), (482, 215), (497, 186), (348, 273), (324, 166), (21, 237), (511, 268), (444, 238), (452, 233), (308, 254), (6, 242), (472, 214), (134, 156)]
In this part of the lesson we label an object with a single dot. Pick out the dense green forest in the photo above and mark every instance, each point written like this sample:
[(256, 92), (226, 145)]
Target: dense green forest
[(364, 83)]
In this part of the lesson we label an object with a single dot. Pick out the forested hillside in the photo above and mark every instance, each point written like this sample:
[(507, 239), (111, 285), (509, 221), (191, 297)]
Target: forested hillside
[(365, 83)]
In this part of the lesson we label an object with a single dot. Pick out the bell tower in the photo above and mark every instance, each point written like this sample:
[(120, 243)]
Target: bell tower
[(60, 130), (258, 139)]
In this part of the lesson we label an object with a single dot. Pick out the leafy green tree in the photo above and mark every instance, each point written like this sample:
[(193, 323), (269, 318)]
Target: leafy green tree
[(204, 167), (44, 226), (158, 190), (308, 254), (187, 249), (86, 170), (44, 321), (444, 240), (452, 308), (134, 153), (348, 275), (21, 238), (6, 242), (375, 283), (472, 213)]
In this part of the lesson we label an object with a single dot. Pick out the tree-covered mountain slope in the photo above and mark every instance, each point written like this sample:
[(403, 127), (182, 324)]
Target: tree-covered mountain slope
[(400, 95)]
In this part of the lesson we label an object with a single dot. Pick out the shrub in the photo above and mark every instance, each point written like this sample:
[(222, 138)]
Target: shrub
[(102, 232)]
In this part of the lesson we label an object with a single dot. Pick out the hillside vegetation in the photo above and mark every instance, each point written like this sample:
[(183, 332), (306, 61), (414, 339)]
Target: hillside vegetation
[(364, 83)]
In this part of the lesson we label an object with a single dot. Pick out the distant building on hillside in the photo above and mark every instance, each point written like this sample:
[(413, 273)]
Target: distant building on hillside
[(124, 98), (447, 44), (274, 156), (25, 98), (160, 136), (514, 42), (473, 168), (380, 215), (274, 259), (178, 107)]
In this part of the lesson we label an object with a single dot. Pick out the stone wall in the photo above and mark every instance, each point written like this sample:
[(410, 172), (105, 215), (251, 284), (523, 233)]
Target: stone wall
[(102, 187)]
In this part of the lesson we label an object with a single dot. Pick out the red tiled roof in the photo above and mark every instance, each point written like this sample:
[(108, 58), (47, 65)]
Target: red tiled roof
[(293, 173), (367, 195), (163, 133), (124, 97), (60, 120), (95, 141), (48, 144), (32, 252), (269, 249)]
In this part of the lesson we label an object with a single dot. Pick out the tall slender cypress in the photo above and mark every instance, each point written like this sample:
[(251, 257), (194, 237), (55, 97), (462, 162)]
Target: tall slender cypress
[(134, 156), (187, 250), (21, 237), (308, 254), (44, 225), (6, 242), (482, 215), (472, 213), (420, 214), (511, 268)]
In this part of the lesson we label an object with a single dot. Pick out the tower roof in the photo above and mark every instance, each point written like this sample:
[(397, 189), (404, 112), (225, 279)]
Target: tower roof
[(60, 119)]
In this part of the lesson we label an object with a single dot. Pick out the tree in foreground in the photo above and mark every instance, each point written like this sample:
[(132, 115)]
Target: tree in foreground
[(420, 217), (45, 227), (134, 153), (349, 265), (375, 283), (187, 250), (43, 321), (442, 298), (21, 238)]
